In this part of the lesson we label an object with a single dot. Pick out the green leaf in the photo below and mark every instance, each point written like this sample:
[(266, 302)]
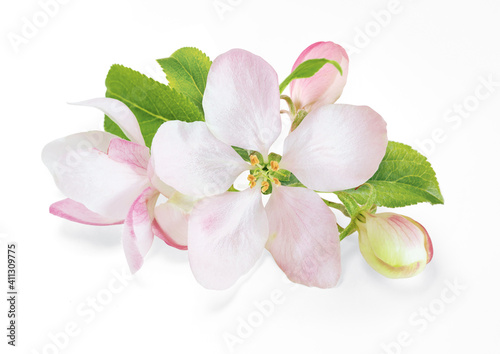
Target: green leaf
[(307, 69), (404, 177), (113, 128), (187, 71), (153, 103)]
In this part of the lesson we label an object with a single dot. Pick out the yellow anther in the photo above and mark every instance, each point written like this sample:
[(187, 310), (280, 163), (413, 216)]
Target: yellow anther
[(254, 160), (276, 181), (265, 186), (275, 166), (252, 184), (251, 178)]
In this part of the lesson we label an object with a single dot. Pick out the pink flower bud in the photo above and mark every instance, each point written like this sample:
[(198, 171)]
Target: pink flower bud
[(326, 86), (394, 245)]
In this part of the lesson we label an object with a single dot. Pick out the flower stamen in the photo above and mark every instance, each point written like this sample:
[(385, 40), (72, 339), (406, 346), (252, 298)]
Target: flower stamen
[(264, 173), (254, 160)]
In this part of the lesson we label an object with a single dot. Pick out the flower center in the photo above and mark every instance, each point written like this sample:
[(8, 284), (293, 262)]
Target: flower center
[(263, 172)]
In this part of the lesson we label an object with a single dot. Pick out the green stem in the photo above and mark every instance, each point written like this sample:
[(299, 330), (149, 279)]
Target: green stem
[(337, 206), (291, 106), (284, 111), (349, 230), (350, 203)]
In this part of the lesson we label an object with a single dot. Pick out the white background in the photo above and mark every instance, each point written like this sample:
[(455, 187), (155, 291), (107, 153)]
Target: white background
[(426, 59)]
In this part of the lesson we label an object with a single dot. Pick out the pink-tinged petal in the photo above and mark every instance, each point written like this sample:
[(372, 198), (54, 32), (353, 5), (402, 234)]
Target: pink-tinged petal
[(396, 239), (427, 239), (428, 246), (242, 101), (226, 236), (77, 212), (336, 147), (89, 176), (171, 225), (187, 157), (133, 154), (138, 234), (326, 86), (304, 239), (120, 114)]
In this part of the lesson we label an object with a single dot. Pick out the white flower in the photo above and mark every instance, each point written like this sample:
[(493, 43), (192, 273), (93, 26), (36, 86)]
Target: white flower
[(109, 180), (335, 148)]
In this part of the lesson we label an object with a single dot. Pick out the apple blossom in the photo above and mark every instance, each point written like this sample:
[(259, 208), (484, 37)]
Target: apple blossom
[(335, 148), (326, 86), (109, 180), (394, 245)]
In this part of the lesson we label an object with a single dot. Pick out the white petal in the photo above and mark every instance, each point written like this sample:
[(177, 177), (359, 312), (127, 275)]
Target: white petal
[(336, 147), (84, 173), (171, 225), (156, 182), (226, 237), (242, 101), (187, 157), (137, 233), (120, 114), (304, 239), (128, 152)]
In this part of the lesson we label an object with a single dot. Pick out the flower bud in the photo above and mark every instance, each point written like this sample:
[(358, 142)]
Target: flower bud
[(326, 86), (394, 245)]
